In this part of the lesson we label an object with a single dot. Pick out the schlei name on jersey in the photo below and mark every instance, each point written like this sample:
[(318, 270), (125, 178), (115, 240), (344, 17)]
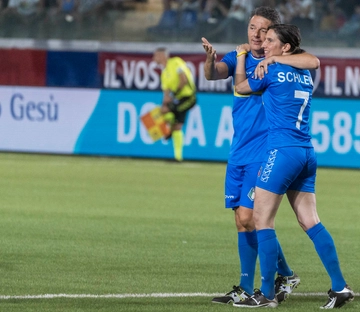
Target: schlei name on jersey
[(295, 77)]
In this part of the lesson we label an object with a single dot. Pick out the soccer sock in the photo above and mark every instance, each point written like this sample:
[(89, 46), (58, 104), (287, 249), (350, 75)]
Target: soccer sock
[(326, 250), (177, 136), (248, 250), (169, 117), (268, 255), (283, 267)]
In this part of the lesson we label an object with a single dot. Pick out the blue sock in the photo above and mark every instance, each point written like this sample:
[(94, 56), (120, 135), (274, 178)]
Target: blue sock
[(268, 255), (326, 250), (247, 247), (283, 268)]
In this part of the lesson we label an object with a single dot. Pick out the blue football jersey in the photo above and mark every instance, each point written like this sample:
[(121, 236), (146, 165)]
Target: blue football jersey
[(249, 120), (287, 93)]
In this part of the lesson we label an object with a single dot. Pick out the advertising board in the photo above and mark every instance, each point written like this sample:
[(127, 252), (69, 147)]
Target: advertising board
[(107, 122)]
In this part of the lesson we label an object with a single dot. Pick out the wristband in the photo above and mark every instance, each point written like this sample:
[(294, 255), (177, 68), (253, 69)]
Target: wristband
[(241, 53)]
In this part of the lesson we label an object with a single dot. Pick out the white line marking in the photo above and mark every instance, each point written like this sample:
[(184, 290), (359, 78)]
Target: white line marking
[(154, 295)]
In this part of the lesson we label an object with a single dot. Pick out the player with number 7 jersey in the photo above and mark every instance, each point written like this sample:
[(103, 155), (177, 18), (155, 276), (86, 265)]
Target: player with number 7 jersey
[(290, 166), (287, 100)]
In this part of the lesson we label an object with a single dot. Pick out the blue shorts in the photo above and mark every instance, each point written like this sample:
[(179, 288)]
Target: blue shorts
[(240, 185), (288, 168)]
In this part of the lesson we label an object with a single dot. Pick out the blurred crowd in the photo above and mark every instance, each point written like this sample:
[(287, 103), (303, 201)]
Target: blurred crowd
[(226, 20), (60, 18), (218, 20)]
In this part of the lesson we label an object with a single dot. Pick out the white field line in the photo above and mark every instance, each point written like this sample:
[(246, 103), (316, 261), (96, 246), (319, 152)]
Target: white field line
[(154, 295)]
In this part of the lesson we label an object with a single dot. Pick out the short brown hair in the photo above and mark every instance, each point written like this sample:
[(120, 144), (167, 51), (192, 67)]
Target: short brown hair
[(269, 13)]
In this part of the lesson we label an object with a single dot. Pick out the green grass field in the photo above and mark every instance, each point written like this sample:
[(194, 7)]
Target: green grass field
[(113, 226)]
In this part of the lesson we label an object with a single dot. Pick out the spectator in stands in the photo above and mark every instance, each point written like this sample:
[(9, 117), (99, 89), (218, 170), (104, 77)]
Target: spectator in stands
[(22, 16), (89, 12), (26, 7), (65, 20), (178, 17), (178, 5), (216, 10), (303, 15), (282, 8), (68, 9), (167, 4), (332, 18), (348, 6), (236, 18), (351, 28)]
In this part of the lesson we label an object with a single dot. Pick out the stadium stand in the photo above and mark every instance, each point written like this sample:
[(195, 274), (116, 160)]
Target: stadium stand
[(322, 23)]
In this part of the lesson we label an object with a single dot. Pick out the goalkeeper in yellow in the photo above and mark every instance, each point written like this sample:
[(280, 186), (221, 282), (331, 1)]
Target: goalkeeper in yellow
[(179, 95)]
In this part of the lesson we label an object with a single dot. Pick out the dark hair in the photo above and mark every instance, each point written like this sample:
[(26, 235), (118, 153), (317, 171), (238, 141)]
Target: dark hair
[(290, 34), (269, 13)]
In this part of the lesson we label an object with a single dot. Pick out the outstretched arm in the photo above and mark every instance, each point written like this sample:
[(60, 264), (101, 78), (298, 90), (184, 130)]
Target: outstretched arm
[(303, 61), (212, 69)]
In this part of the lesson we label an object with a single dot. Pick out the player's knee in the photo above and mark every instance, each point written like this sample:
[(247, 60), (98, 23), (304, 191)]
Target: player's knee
[(248, 224), (246, 220)]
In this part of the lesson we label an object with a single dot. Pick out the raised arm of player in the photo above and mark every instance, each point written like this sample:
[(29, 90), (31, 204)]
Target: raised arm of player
[(213, 70), (241, 83)]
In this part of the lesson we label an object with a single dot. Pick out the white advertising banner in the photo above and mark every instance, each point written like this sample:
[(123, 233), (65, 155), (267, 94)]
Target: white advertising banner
[(43, 119)]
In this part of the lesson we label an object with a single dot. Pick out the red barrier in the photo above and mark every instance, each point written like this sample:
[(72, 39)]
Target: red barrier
[(22, 67)]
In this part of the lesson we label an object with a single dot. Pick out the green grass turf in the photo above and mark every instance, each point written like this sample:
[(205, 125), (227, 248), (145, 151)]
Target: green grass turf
[(87, 225)]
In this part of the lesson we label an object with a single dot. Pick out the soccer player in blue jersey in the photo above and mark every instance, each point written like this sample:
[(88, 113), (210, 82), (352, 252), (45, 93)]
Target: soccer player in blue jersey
[(247, 152), (289, 167)]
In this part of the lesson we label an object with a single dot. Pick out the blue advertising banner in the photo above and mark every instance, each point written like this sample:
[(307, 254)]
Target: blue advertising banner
[(114, 128), (72, 69), (335, 130)]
